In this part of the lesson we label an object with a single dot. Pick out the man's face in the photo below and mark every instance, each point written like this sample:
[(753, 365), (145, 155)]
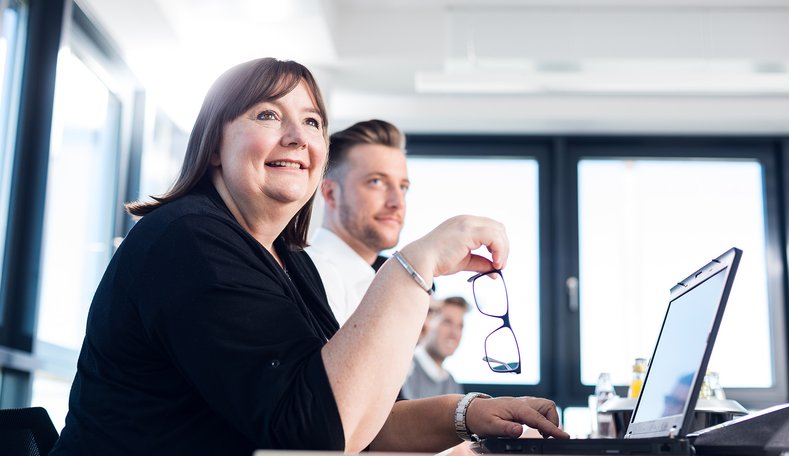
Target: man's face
[(370, 202), (444, 335), (432, 312)]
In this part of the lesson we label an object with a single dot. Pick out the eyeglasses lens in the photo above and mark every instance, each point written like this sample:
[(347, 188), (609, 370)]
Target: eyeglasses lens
[(491, 294), (502, 350)]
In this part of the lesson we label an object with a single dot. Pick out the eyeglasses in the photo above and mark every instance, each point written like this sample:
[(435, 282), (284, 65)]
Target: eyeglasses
[(501, 347)]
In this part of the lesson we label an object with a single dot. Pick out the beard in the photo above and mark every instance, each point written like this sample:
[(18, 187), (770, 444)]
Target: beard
[(364, 232)]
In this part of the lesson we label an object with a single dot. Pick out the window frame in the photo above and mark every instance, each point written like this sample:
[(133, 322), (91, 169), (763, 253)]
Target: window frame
[(21, 257), (10, 94)]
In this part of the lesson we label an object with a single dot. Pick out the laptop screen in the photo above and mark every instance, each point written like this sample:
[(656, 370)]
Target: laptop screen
[(668, 397), (680, 350)]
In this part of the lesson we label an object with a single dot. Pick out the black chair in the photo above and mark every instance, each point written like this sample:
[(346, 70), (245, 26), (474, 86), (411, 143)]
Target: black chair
[(26, 432)]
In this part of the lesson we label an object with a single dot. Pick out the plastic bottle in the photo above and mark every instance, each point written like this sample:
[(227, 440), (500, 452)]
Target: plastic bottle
[(639, 372), (604, 391)]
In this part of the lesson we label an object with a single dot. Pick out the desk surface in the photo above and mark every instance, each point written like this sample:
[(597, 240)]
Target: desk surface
[(456, 451), (333, 453)]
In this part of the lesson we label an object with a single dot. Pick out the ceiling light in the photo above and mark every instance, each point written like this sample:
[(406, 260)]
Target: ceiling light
[(641, 77)]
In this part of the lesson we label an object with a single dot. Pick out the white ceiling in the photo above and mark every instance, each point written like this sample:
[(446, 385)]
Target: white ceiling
[(504, 66)]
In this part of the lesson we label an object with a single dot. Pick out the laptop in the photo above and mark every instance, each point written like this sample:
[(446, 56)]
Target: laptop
[(664, 411)]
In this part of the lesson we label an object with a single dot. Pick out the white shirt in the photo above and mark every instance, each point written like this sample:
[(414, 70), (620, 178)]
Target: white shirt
[(345, 275)]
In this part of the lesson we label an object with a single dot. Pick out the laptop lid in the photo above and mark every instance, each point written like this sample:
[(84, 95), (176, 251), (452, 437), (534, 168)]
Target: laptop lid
[(671, 387)]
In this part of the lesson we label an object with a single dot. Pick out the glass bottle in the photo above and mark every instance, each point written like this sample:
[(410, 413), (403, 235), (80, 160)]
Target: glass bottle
[(705, 392), (604, 392), (711, 387), (639, 372)]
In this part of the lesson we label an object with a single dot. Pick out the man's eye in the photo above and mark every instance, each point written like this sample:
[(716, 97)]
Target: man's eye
[(375, 181), (404, 188), (267, 115)]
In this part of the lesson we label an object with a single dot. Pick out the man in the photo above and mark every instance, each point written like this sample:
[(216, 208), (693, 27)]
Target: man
[(432, 311), (428, 376), (364, 194)]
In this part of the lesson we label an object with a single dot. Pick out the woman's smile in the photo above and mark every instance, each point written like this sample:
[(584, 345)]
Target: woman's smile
[(286, 164)]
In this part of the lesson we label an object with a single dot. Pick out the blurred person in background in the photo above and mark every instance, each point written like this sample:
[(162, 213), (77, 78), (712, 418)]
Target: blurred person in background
[(432, 311), (428, 376)]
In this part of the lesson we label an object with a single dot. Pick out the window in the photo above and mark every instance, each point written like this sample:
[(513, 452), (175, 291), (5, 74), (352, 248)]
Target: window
[(11, 54), (161, 160), (600, 230), (644, 225), (78, 224), (79, 215), (444, 187), (86, 184), (650, 211)]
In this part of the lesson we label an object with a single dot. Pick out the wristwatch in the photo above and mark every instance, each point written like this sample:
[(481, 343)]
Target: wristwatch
[(460, 416)]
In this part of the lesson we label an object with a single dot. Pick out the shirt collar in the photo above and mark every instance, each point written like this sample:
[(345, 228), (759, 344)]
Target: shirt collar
[(435, 372), (329, 244)]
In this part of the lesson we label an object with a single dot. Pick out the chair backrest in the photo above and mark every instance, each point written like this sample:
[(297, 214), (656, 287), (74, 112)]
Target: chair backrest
[(26, 432)]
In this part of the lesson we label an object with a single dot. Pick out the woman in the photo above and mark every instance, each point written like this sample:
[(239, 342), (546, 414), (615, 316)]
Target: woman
[(210, 332)]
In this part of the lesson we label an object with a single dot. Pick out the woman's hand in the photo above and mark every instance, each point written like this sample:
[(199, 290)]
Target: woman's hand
[(447, 249), (504, 417)]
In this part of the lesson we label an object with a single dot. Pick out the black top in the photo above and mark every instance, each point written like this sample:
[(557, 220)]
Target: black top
[(198, 343)]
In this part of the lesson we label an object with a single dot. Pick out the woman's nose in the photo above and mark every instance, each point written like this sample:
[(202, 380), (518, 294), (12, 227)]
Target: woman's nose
[(294, 135)]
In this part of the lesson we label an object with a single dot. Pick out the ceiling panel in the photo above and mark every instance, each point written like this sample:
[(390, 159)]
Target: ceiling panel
[(567, 59)]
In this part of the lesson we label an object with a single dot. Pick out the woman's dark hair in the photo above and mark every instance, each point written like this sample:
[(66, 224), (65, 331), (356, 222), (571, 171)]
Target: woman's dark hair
[(233, 94)]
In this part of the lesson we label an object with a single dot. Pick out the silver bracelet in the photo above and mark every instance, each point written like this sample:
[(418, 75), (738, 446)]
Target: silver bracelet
[(414, 275), (460, 417)]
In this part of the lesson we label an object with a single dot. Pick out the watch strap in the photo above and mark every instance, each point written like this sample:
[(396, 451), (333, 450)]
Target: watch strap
[(460, 416)]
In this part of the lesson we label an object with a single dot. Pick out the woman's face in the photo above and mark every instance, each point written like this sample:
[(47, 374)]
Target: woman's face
[(276, 150)]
